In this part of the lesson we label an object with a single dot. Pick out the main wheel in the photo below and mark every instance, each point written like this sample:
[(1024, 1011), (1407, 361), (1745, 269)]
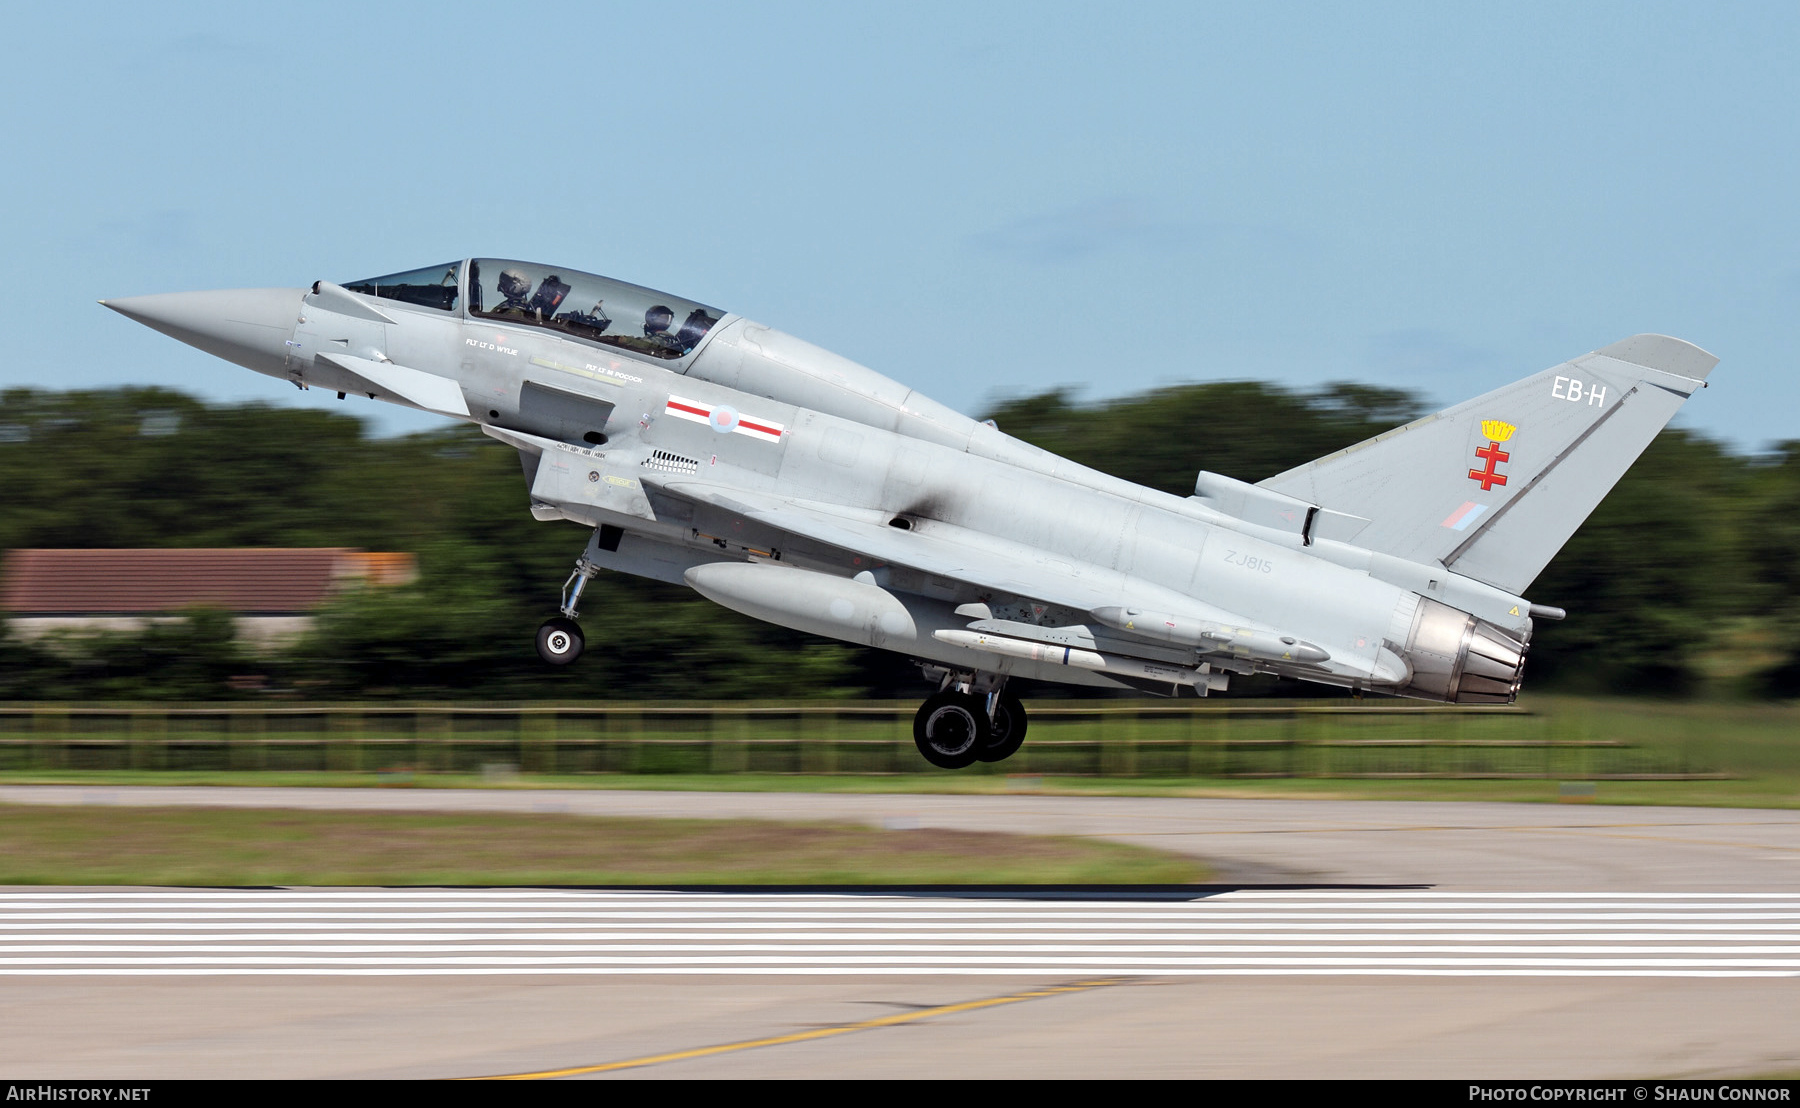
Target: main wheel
[(1007, 730), (950, 729), (559, 641)]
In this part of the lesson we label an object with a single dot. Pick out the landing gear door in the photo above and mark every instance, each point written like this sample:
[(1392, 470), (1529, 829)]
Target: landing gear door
[(580, 480)]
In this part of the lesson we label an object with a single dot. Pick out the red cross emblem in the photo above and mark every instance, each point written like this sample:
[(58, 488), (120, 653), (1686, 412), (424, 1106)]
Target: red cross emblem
[(1494, 456)]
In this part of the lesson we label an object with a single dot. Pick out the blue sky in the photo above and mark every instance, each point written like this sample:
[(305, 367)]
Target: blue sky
[(980, 200)]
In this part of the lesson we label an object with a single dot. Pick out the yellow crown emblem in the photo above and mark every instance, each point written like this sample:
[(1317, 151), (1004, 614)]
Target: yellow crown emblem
[(1497, 430)]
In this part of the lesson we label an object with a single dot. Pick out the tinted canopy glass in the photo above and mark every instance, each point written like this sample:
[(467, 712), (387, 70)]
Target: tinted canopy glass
[(598, 309), (431, 287)]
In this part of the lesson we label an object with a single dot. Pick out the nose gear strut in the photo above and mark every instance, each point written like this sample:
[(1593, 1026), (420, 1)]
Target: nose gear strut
[(584, 572), (559, 638)]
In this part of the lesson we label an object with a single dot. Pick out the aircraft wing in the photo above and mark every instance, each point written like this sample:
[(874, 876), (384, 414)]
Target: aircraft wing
[(982, 560)]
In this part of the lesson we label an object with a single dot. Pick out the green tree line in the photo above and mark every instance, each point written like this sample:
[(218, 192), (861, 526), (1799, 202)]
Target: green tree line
[(1687, 578)]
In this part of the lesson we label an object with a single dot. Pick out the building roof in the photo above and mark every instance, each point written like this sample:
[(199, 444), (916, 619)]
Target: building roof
[(246, 581)]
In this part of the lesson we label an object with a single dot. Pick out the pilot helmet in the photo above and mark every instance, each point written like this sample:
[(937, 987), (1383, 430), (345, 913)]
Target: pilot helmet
[(514, 285), (657, 320)]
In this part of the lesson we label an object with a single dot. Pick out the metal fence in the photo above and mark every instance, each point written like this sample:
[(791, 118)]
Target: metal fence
[(1343, 739)]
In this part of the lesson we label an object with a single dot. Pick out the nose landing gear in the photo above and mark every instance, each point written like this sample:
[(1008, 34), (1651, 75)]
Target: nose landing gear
[(559, 638), (971, 718)]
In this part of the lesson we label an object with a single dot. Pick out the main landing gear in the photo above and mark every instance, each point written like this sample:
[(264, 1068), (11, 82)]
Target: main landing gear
[(559, 638), (971, 718)]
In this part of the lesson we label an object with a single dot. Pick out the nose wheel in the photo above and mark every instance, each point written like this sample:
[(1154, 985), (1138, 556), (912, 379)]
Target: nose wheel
[(559, 641)]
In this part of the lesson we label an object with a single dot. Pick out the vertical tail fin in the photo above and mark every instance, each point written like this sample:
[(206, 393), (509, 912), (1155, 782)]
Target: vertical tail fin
[(1492, 488)]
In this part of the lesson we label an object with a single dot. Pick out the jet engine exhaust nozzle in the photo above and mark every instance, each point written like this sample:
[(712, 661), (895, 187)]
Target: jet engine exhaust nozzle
[(1460, 659)]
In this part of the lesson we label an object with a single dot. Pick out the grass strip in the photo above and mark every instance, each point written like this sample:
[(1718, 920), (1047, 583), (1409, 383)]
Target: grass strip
[(1764, 790), (44, 845)]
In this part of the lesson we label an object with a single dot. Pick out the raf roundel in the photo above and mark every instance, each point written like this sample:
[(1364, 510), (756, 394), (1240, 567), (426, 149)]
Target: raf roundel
[(723, 418)]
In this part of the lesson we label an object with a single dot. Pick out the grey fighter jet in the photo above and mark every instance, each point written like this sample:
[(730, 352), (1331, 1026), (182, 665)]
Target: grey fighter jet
[(793, 485)]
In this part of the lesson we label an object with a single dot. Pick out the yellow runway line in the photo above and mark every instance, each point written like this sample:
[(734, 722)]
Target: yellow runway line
[(804, 1036)]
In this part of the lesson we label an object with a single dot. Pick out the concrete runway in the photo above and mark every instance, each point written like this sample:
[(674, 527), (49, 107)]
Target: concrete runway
[(1554, 941)]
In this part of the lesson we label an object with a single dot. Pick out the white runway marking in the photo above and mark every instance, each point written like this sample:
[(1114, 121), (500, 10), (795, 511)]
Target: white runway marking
[(480, 932)]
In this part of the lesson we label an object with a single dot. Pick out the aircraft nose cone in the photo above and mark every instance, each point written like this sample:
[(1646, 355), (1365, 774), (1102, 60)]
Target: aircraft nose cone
[(247, 326)]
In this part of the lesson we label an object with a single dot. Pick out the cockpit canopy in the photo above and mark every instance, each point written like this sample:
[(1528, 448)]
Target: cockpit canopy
[(598, 309), (431, 287)]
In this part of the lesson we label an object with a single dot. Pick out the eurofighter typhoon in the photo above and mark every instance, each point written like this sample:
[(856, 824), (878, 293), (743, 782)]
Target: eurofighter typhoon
[(793, 485)]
